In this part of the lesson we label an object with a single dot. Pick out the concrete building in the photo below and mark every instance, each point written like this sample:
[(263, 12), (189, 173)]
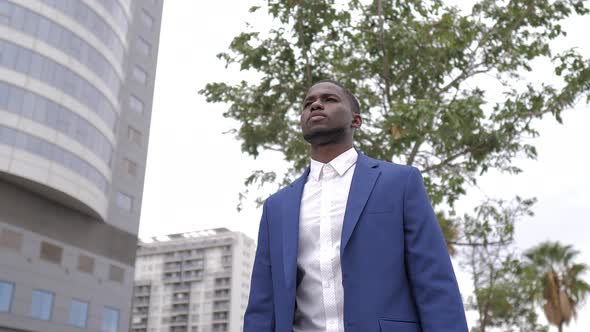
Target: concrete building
[(193, 282), (76, 87)]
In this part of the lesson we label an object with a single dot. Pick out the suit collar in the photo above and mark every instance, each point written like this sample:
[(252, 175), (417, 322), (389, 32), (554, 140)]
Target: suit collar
[(341, 164), (365, 175), (291, 208)]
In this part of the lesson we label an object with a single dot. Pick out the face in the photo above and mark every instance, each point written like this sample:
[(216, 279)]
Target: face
[(327, 116)]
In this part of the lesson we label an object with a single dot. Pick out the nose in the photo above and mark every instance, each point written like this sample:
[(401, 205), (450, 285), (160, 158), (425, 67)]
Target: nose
[(316, 105)]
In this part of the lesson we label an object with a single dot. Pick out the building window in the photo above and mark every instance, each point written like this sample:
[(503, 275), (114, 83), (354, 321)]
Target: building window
[(110, 320), (11, 240), (143, 46), (6, 290), (85, 264), (41, 305), (135, 104), (124, 201), (147, 19), (130, 167), (116, 274), (140, 75), (51, 253), (134, 135), (78, 313)]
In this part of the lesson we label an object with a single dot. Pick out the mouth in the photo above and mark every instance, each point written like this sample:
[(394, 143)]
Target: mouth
[(316, 117)]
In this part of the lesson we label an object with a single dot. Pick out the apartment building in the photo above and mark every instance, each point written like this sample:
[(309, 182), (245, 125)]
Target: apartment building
[(192, 282)]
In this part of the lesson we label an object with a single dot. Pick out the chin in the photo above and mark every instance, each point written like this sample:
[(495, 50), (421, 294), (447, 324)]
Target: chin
[(324, 136)]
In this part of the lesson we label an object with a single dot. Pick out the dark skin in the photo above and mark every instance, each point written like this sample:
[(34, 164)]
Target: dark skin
[(328, 122)]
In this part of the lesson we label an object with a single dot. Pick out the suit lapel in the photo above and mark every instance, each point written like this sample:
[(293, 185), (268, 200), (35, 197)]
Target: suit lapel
[(291, 208), (363, 181)]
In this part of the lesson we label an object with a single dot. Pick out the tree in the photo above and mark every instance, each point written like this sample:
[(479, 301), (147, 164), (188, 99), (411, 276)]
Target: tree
[(416, 67), (562, 290), (504, 288)]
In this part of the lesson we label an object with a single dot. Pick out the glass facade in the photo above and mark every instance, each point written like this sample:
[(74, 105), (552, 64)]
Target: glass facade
[(93, 23), (110, 320), (147, 19), (143, 46), (115, 9), (42, 28), (6, 290), (76, 95), (32, 64), (78, 313), (41, 305), (44, 111), (139, 75), (135, 104), (124, 201), (37, 146)]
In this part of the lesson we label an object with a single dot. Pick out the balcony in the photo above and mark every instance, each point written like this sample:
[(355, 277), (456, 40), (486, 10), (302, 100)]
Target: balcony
[(220, 306), (193, 266), (171, 277), (178, 289), (142, 291), (172, 267), (180, 300), (220, 317), (172, 259), (224, 294), (141, 303), (179, 320), (141, 325), (180, 310), (140, 312)]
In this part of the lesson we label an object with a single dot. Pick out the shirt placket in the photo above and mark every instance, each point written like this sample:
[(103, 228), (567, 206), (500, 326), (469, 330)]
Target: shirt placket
[(327, 249)]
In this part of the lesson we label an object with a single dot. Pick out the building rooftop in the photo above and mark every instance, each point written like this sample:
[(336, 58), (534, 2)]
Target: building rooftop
[(183, 236)]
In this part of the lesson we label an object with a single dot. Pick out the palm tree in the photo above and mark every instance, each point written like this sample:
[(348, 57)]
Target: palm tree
[(560, 282)]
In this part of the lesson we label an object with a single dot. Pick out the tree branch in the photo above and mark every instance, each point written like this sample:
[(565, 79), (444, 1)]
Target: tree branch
[(445, 162), (384, 51), (413, 153)]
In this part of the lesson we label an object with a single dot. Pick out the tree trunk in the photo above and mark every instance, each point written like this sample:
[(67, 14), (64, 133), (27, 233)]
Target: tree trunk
[(560, 327)]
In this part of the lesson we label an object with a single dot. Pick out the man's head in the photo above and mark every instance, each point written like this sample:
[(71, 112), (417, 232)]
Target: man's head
[(330, 114)]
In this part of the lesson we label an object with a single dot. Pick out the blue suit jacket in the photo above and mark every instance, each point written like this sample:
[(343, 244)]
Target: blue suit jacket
[(396, 271)]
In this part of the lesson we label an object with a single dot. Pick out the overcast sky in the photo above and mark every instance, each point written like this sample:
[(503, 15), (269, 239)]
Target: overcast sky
[(194, 172)]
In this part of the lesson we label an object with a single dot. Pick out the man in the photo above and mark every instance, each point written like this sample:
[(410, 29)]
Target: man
[(352, 245)]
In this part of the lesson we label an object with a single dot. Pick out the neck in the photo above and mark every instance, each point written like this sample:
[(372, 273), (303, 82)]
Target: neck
[(326, 153)]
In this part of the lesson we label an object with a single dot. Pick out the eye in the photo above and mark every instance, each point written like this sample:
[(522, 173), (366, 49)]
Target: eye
[(331, 99)]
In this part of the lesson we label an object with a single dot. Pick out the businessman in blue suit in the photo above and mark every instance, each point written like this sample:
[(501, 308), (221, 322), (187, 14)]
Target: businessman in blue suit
[(353, 244)]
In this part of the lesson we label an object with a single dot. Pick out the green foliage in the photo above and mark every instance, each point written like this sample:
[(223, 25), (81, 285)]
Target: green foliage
[(562, 289), (415, 67), (504, 287), (418, 69)]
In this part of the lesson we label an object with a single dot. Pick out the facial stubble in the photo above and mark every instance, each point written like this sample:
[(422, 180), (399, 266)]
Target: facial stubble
[(325, 136)]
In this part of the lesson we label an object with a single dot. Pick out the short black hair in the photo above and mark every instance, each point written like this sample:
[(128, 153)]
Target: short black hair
[(354, 103)]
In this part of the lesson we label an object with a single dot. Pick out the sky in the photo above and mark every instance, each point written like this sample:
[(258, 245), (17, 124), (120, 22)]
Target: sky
[(194, 172)]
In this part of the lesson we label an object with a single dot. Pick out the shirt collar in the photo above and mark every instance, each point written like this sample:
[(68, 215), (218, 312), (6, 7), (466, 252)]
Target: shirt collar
[(341, 164)]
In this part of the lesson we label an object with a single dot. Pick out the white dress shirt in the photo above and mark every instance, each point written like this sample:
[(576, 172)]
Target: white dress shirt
[(320, 295)]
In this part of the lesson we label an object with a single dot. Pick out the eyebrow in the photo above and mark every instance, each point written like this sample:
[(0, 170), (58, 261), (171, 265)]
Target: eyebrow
[(323, 95)]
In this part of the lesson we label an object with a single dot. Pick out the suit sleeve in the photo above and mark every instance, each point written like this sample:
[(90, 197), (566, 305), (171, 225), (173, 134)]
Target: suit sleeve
[(259, 316), (430, 271)]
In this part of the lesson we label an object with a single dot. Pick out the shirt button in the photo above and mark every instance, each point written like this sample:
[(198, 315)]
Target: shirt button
[(327, 284)]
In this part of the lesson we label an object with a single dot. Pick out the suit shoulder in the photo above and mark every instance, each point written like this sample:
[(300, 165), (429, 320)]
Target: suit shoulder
[(395, 169), (276, 196), (279, 194)]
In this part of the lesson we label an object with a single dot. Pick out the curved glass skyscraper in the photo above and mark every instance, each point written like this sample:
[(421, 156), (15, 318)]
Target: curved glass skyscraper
[(76, 87)]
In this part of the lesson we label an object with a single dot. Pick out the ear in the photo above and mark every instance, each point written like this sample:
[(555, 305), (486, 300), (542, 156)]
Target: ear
[(357, 121)]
